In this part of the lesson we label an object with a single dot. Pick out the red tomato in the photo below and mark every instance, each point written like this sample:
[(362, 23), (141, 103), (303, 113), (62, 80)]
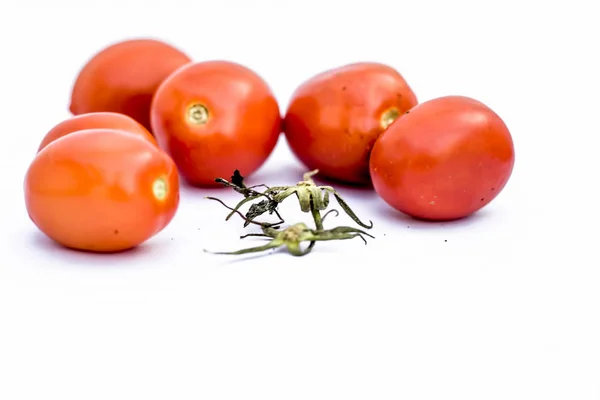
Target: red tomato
[(213, 118), (123, 78), (334, 118), (101, 190), (107, 120), (445, 159)]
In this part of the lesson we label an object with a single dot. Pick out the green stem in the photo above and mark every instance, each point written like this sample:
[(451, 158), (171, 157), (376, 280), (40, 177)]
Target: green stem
[(316, 214), (268, 246)]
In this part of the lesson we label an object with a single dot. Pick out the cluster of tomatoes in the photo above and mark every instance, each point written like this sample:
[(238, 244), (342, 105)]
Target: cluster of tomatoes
[(144, 113)]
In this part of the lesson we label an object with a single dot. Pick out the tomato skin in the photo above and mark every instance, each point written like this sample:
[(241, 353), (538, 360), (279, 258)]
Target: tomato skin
[(444, 160), (334, 118), (108, 120), (237, 121), (123, 78), (96, 190)]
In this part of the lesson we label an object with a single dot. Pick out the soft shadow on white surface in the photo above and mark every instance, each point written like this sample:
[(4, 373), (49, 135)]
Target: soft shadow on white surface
[(392, 216), (48, 249)]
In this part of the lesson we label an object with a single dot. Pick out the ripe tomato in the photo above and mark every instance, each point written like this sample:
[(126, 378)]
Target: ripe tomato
[(445, 159), (214, 117), (101, 190), (123, 78), (96, 120), (334, 118)]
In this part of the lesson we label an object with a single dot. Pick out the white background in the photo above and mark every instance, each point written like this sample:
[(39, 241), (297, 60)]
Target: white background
[(504, 305)]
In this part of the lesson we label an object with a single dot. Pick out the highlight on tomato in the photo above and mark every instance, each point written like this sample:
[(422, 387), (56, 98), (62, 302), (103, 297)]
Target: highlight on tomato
[(124, 76), (101, 190), (108, 120), (214, 117), (446, 159), (334, 118)]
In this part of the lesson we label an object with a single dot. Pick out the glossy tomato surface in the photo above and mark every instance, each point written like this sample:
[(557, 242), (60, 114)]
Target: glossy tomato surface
[(123, 78), (445, 159), (334, 118), (101, 190), (108, 120), (215, 117)]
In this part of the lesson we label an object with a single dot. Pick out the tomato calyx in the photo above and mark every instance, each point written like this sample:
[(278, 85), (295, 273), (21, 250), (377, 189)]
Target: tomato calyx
[(292, 236), (314, 199), (311, 198), (197, 114)]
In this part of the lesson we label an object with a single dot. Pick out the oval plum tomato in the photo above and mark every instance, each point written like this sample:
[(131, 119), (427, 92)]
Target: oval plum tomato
[(123, 78), (215, 117), (446, 159), (101, 190), (108, 120), (334, 118)]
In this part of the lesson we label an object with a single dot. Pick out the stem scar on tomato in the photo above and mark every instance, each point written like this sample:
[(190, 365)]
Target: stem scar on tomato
[(160, 188), (389, 116), (197, 114)]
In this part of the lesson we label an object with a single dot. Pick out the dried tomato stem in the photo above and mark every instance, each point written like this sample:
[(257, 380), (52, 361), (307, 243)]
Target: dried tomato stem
[(250, 221), (257, 249), (316, 214), (254, 235), (351, 213)]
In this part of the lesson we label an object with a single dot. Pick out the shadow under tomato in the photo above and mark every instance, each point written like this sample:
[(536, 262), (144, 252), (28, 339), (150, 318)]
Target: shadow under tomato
[(389, 214), (337, 184), (42, 243), (186, 185), (286, 175)]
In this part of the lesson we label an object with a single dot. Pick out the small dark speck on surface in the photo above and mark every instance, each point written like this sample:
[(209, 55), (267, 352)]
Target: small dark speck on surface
[(493, 189), (171, 238), (116, 231), (344, 88), (445, 240), (482, 199), (408, 226)]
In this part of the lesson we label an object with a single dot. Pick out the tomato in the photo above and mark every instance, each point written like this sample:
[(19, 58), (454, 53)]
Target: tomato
[(446, 159), (334, 118), (101, 190), (215, 117), (123, 78), (96, 120)]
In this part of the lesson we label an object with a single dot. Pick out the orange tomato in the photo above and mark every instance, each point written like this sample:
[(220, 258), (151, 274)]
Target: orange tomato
[(101, 190), (96, 120), (446, 159), (123, 78), (215, 117), (334, 118)]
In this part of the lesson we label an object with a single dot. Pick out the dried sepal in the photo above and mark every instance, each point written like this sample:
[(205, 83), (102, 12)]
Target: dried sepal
[(311, 198), (292, 237)]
